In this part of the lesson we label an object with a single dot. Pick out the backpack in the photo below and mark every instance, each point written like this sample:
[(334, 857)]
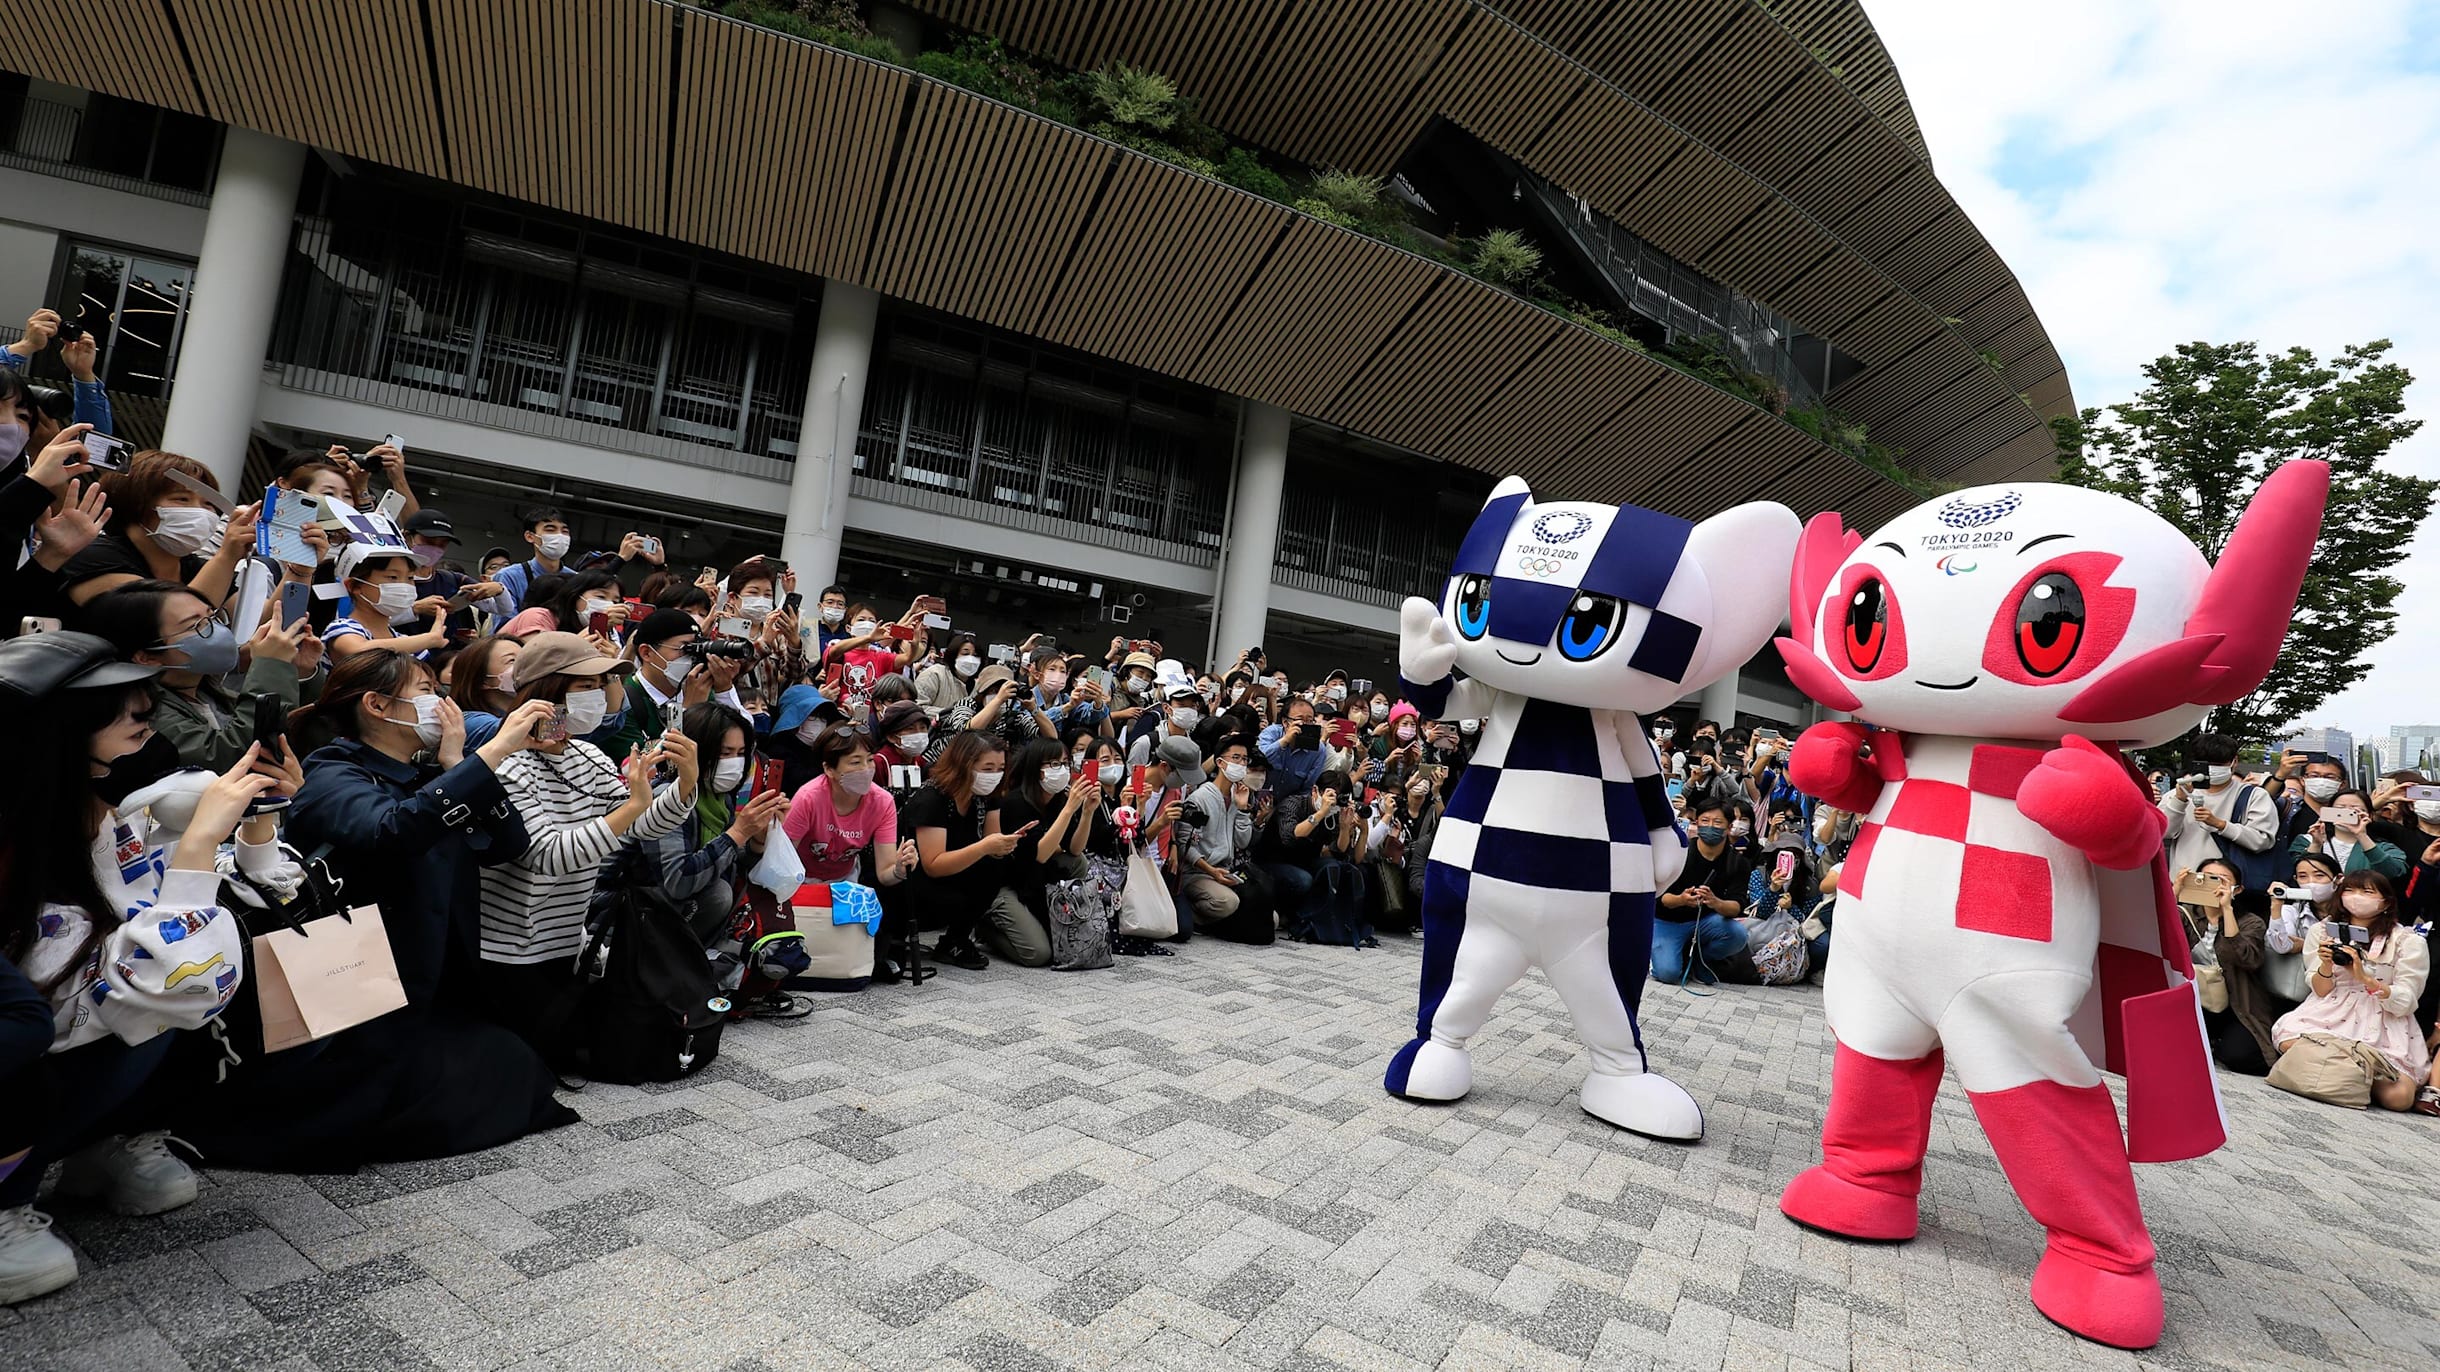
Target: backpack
[(2256, 870), (1082, 912), (1781, 957), (654, 1010)]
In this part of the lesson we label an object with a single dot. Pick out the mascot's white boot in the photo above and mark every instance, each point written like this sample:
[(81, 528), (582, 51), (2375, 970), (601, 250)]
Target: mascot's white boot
[(1568, 619)]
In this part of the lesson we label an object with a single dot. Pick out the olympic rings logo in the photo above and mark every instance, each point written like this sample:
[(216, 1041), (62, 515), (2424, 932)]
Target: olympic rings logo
[(1540, 566)]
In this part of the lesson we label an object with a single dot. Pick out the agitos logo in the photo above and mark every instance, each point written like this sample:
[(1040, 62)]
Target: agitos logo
[(1956, 564)]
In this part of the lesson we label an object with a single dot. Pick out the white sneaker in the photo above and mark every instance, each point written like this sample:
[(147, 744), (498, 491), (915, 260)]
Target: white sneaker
[(135, 1174), (33, 1261)]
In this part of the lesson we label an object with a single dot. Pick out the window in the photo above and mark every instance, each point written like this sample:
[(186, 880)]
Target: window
[(136, 307)]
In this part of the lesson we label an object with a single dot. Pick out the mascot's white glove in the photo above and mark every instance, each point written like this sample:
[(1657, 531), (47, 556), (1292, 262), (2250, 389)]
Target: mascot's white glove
[(1427, 646)]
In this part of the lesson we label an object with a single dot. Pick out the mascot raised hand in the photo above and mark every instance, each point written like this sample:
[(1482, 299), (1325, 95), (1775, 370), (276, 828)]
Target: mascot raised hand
[(2006, 904), (1569, 620)]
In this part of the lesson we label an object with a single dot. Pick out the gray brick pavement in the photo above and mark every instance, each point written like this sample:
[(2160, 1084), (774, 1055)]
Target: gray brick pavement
[(1189, 1163)]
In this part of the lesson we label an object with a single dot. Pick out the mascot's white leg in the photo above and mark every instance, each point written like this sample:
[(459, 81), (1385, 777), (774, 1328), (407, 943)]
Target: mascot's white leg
[(1595, 980), (1467, 963)]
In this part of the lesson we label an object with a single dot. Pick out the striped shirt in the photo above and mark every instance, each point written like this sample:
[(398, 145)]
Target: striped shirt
[(534, 908), (345, 626)]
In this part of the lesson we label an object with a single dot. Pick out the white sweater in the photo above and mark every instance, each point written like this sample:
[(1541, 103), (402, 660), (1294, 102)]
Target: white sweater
[(534, 908)]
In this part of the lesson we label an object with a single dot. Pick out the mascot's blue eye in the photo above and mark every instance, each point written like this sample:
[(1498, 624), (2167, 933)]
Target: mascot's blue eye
[(1474, 606), (1589, 627)]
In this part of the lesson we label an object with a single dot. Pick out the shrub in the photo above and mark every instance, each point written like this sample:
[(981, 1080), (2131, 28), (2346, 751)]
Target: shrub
[(979, 64), (1194, 134), (818, 23), (1242, 169), (1505, 257), (1356, 197), (1322, 210), (1132, 97)]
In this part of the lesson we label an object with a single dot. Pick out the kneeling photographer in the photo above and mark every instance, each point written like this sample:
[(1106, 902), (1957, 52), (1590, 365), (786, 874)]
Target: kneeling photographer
[(676, 668), (1218, 881), (2354, 1040)]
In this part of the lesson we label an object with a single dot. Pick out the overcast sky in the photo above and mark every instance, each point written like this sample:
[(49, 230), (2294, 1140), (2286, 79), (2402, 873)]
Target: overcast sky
[(2157, 172)]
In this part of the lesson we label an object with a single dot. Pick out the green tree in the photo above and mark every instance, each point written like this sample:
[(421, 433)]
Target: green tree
[(2212, 421)]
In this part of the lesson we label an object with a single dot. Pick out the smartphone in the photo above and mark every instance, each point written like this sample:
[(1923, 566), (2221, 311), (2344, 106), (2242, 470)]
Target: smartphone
[(930, 621), (1342, 732), (270, 723), (107, 453), (1135, 778), (1361, 686), (554, 730), (2423, 792), (2201, 888), (899, 632), (652, 546), (38, 624), (2345, 819), (396, 441), (770, 775), (599, 622), (296, 602), (905, 776), (795, 599), (1784, 866)]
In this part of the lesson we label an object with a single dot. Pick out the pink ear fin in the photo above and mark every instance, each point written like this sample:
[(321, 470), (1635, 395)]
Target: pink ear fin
[(2171, 675), (1811, 676), (2260, 570), (1824, 545)]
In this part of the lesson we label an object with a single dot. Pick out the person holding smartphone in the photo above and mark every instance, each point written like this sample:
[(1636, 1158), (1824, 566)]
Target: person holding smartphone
[(960, 847), (2342, 833), (163, 624), (869, 651), (55, 505), (1699, 910)]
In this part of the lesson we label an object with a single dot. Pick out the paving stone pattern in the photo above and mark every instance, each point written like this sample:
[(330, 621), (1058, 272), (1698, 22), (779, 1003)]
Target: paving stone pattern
[(1189, 1163)]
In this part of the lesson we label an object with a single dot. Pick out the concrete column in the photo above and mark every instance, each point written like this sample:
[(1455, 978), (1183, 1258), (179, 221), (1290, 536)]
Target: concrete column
[(1720, 701), (237, 290), (826, 441), (1253, 532)]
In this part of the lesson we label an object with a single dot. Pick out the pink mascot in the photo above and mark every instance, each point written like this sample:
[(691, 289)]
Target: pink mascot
[(2006, 904)]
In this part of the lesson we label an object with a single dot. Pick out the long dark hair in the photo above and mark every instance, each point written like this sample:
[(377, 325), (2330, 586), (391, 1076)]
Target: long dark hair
[(707, 727), (1026, 764), (375, 671), (50, 819), (563, 603)]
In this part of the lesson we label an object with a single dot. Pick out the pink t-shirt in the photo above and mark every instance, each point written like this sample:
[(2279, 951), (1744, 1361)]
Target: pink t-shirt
[(829, 841)]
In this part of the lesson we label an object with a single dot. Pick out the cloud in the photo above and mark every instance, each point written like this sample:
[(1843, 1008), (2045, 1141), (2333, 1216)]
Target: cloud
[(2166, 171)]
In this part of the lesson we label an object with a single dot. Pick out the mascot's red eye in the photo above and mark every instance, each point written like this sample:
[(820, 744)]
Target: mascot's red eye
[(1867, 623), (2050, 624)]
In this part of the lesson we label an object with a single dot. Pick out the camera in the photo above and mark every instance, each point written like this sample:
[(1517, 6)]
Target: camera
[(703, 648), (53, 401), (2194, 783), (108, 454), (71, 326), (1192, 815)]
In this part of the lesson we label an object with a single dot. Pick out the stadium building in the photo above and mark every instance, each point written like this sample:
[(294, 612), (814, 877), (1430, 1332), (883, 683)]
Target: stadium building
[(912, 303)]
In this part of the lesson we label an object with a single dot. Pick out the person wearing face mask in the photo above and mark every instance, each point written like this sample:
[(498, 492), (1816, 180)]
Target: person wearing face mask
[(1180, 713), (577, 806), (429, 536), (830, 620), (904, 737), (796, 726), (1062, 801), (89, 888), (851, 664), (2342, 832), (1134, 694), (2221, 815), (2313, 781), (1406, 839), (945, 684), (162, 624), (846, 814), (568, 602), (377, 605), (2228, 927), (2413, 828), (160, 530), (548, 536), (483, 682), (2354, 1040), (1699, 910), (666, 681), (699, 864), (1228, 899), (400, 808), (961, 848), (1333, 688), (51, 511)]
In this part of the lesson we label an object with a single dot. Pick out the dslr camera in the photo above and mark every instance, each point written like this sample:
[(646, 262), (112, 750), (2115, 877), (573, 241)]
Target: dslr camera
[(702, 649), (2344, 939), (1192, 814)]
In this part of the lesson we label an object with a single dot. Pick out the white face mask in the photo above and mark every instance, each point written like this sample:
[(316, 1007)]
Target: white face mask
[(1234, 771), (2321, 890), (1055, 779), (2218, 776), (728, 774), (756, 608), (1467, 726), (396, 600), (592, 606), (676, 667), (552, 546), (2428, 810), (968, 665), (1185, 717), (1380, 707), (1405, 732), (12, 441), (810, 730), (2364, 903), (912, 744), (586, 710), (855, 781), (1111, 772), (986, 782), (184, 530), (864, 628), (2321, 788), (1139, 684), (1740, 829), (1235, 694), (832, 614), (427, 721)]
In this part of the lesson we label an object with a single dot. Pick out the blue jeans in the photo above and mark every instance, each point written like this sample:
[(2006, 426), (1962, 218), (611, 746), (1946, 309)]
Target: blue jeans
[(1289, 883), (78, 1096), (1719, 936), (1820, 950)]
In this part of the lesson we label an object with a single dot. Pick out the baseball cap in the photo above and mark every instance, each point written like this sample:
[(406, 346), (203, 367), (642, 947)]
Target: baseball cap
[(665, 624), (33, 666), (1184, 758), (432, 524)]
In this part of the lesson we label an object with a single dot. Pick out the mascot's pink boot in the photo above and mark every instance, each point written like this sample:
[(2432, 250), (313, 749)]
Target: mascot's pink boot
[(1873, 1139), (2062, 1152)]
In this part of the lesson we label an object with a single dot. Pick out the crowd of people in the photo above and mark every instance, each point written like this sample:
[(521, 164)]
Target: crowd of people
[(541, 766)]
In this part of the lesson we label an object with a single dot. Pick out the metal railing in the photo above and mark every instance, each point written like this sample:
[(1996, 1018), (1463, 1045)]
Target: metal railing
[(50, 138), (1374, 542)]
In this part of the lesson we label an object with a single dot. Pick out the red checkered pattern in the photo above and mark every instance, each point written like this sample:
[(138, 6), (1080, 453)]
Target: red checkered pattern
[(1999, 890)]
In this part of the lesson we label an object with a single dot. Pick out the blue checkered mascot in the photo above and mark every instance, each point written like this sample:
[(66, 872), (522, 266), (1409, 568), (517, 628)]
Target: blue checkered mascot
[(1563, 623)]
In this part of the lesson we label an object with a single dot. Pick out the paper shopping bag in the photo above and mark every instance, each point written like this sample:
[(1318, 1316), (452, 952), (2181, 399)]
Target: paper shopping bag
[(324, 976)]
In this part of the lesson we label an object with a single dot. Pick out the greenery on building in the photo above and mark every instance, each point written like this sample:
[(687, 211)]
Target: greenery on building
[(1144, 111)]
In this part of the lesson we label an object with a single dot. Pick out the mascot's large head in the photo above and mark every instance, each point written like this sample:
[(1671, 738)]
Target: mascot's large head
[(1613, 607), (2035, 610)]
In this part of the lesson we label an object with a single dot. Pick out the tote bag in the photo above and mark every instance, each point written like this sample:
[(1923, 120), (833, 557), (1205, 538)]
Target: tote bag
[(320, 977), (1145, 907), (840, 922)]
